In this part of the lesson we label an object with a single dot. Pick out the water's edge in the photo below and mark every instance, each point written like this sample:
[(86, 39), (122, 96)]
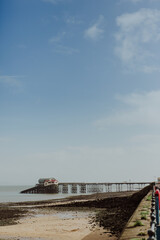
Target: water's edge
[(12, 194)]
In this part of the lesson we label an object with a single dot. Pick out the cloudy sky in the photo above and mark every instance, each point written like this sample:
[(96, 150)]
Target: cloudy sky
[(79, 90)]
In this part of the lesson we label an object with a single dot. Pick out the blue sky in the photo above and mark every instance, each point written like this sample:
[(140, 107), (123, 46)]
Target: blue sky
[(79, 90)]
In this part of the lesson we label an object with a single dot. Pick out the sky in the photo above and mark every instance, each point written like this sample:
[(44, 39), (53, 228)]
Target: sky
[(79, 90)]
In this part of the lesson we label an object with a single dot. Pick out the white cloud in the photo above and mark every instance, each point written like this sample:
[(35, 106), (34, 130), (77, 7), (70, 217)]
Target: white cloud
[(96, 31), (138, 39), (73, 20), (139, 1), (65, 49), (135, 1), (11, 81), (150, 69), (59, 47), (58, 38), (138, 110)]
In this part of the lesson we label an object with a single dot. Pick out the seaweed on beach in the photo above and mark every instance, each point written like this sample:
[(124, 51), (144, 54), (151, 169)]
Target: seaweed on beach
[(118, 211), (114, 210), (9, 215), (114, 218)]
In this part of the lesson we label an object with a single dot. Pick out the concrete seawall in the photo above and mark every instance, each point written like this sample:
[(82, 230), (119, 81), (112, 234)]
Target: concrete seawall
[(139, 223), (115, 211)]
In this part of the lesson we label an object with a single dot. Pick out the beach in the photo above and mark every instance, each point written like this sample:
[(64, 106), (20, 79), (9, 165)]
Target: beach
[(91, 217), (54, 225)]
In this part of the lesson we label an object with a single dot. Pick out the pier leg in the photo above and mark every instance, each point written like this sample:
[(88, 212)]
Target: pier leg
[(83, 188)]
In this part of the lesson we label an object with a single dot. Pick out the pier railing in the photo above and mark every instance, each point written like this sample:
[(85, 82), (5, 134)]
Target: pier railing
[(80, 187), (151, 231), (86, 188), (154, 231)]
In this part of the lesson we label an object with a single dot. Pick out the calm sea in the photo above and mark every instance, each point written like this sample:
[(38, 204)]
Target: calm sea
[(12, 194)]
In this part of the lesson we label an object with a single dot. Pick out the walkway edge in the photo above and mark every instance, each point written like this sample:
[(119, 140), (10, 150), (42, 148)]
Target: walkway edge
[(133, 230)]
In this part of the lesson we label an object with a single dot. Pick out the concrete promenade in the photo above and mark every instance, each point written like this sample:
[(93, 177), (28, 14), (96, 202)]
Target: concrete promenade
[(138, 225)]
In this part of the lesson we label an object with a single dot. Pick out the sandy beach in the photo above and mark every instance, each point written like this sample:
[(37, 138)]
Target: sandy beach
[(42, 220), (90, 217), (52, 224)]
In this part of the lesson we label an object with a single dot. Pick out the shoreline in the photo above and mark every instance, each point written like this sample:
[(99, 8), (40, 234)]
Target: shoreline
[(61, 224), (47, 225), (82, 217), (86, 197), (64, 218)]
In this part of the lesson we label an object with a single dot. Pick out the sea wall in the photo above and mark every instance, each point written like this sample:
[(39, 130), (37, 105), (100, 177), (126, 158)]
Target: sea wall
[(114, 212)]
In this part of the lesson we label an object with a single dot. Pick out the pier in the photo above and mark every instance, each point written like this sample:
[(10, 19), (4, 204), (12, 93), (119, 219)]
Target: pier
[(41, 189), (80, 187), (86, 188)]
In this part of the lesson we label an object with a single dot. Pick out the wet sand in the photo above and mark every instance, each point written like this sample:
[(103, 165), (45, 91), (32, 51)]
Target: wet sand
[(52, 224), (89, 217)]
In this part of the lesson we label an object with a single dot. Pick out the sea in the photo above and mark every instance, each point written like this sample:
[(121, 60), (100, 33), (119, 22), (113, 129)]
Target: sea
[(12, 194)]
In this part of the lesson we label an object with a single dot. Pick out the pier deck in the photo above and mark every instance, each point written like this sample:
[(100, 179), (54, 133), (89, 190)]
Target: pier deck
[(81, 187)]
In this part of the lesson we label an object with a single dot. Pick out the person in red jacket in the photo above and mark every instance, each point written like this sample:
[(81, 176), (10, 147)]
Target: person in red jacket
[(157, 193)]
